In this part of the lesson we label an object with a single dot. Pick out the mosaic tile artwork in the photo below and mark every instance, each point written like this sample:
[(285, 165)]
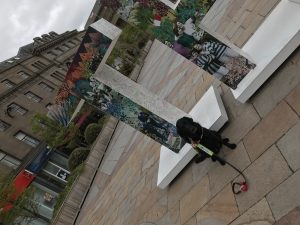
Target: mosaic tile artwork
[(180, 30), (80, 84)]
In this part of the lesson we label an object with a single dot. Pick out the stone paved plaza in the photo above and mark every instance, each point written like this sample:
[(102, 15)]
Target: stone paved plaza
[(266, 129)]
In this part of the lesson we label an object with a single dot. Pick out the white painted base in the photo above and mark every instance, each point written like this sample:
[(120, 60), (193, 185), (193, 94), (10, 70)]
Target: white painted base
[(210, 113), (276, 38)]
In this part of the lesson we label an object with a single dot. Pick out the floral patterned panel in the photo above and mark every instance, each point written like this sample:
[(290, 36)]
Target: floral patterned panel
[(80, 84), (180, 30)]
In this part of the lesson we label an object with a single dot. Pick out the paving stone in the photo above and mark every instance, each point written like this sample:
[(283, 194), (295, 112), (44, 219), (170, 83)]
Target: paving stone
[(286, 196), (267, 132), (181, 185), (294, 99), (139, 186), (289, 146), (251, 4), (157, 211), (143, 194), (267, 8), (221, 210), (220, 176), (171, 217), (200, 170), (147, 224), (259, 214), (194, 200), (242, 117), (263, 175), (292, 218), (283, 81), (192, 221)]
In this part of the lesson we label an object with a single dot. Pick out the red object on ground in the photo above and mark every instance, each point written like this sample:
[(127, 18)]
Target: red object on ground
[(244, 187)]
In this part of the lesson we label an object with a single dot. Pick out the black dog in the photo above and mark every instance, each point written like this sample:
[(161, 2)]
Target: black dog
[(194, 133)]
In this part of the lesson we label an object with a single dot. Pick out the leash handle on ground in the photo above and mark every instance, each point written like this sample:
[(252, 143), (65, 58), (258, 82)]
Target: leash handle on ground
[(237, 187)]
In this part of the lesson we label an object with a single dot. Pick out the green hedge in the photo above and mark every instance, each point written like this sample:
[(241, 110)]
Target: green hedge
[(77, 157), (91, 132)]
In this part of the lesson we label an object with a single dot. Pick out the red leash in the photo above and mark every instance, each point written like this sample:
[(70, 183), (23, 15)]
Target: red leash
[(237, 187)]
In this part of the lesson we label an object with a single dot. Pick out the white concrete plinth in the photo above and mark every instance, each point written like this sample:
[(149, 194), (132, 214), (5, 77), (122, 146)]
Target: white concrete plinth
[(210, 113), (276, 38)]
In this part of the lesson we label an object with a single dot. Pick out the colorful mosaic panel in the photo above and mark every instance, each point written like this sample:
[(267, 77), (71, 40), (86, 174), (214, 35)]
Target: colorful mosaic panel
[(80, 84), (180, 29)]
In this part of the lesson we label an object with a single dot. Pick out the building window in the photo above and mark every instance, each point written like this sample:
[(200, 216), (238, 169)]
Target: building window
[(58, 76), (8, 83), (13, 107), (23, 75), (39, 65), (33, 97), (27, 139), (9, 161), (57, 172), (3, 125), (46, 87), (71, 43), (51, 54), (78, 39), (65, 47), (59, 50)]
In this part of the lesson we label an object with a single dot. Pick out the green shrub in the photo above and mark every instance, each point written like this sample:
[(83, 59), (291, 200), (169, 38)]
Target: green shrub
[(103, 120), (77, 157), (91, 132)]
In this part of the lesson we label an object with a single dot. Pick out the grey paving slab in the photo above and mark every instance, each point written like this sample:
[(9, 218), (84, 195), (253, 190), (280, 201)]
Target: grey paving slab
[(289, 145), (221, 210), (259, 214), (195, 199), (294, 99), (108, 166), (286, 196), (269, 130), (176, 190), (263, 176), (200, 170), (171, 217), (191, 221), (283, 81), (220, 176), (242, 118), (292, 218)]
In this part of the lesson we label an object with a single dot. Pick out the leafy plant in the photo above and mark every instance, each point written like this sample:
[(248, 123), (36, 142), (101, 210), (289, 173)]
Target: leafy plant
[(91, 132), (143, 17), (22, 207), (49, 130), (165, 31), (77, 157)]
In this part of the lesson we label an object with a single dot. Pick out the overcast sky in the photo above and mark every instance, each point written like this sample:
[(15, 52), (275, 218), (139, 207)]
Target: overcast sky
[(22, 20)]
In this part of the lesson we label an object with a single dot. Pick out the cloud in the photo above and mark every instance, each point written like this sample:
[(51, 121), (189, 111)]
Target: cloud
[(22, 20)]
